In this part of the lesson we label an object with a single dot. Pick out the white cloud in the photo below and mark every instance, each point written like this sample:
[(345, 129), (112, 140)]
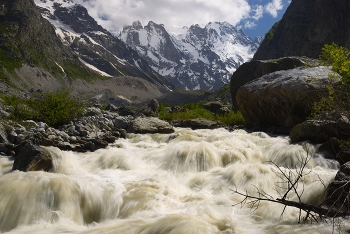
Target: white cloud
[(258, 11), (273, 7), (249, 24), (178, 13), (114, 14)]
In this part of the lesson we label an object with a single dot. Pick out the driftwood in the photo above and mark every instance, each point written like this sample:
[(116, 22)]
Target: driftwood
[(291, 180)]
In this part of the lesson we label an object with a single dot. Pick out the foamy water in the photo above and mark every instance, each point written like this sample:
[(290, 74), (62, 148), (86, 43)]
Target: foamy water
[(178, 183)]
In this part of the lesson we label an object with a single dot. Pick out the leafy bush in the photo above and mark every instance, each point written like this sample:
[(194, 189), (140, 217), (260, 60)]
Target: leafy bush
[(337, 97), (339, 58), (51, 108)]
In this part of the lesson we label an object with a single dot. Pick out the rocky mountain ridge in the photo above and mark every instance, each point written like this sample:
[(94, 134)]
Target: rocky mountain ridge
[(195, 57)]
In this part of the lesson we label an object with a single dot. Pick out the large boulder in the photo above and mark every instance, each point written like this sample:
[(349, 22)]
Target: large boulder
[(33, 158), (252, 70), (284, 98), (149, 125), (322, 128), (305, 27)]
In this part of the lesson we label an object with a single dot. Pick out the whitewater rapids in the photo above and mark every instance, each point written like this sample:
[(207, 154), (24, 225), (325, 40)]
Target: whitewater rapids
[(158, 184)]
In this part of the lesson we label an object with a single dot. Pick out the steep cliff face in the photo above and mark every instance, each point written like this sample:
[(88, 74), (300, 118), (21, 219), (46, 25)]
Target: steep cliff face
[(26, 38), (306, 27)]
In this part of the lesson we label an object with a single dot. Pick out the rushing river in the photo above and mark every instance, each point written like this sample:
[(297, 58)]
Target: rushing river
[(158, 184)]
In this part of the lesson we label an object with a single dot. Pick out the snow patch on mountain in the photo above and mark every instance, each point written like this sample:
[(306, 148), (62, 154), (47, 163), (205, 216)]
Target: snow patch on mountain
[(198, 57)]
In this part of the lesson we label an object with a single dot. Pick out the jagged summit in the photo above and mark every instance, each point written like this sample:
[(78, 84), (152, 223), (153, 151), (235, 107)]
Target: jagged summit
[(96, 48), (195, 57)]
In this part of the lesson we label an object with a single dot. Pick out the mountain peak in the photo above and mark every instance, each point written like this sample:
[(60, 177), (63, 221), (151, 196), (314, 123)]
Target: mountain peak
[(137, 25), (198, 57)]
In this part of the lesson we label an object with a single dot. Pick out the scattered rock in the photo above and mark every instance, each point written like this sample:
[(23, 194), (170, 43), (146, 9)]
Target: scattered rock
[(151, 109)]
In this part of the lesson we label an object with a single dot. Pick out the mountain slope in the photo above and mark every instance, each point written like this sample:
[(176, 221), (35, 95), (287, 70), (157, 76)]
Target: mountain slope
[(305, 28), (194, 58), (95, 46)]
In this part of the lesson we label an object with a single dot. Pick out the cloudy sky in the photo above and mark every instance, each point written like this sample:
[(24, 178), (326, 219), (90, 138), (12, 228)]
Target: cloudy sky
[(255, 17)]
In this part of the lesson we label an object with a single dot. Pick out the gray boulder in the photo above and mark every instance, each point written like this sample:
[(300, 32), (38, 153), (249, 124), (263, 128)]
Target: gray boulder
[(322, 128), (284, 98), (33, 158), (149, 125), (252, 70)]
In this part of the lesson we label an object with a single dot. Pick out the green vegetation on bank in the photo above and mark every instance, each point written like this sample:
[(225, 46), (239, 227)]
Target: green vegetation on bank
[(337, 98), (196, 110), (51, 108)]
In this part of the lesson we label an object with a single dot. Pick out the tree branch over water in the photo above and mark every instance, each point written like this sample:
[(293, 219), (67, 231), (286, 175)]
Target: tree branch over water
[(291, 179)]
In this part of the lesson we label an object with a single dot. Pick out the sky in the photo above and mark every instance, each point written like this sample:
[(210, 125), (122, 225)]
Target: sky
[(255, 17)]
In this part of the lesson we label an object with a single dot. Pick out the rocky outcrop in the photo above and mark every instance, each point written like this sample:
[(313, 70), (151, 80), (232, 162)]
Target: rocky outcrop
[(150, 125), (305, 27), (252, 70), (322, 128), (284, 98)]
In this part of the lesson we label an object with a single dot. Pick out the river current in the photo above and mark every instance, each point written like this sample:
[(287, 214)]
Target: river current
[(176, 183)]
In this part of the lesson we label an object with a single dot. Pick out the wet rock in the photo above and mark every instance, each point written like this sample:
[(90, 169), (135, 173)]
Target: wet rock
[(198, 123), (322, 128), (149, 125), (33, 158), (330, 148)]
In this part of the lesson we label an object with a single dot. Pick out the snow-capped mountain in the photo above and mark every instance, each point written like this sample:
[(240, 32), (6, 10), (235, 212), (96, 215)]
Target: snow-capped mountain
[(192, 58), (96, 48)]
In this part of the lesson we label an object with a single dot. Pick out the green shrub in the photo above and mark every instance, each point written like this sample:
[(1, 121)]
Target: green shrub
[(196, 110), (339, 58), (336, 98), (51, 108), (57, 108)]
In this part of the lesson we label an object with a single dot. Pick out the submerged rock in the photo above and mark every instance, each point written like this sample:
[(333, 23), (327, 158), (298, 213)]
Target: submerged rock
[(33, 158)]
